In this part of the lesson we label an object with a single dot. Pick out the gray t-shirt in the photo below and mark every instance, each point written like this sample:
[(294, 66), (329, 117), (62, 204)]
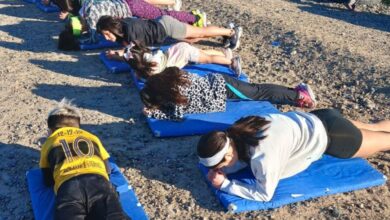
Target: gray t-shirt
[(293, 141)]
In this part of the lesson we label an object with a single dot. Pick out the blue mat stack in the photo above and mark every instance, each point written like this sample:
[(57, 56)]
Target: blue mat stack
[(43, 198)]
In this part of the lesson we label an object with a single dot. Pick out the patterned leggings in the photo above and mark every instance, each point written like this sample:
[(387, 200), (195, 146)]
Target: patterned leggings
[(142, 9)]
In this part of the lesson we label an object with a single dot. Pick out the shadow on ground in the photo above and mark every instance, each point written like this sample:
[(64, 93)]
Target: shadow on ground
[(16, 160), (379, 22)]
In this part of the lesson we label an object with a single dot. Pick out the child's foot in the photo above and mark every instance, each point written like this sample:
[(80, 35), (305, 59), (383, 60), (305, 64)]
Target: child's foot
[(228, 53), (177, 5), (235, 38), (236, 66), (306, 97)]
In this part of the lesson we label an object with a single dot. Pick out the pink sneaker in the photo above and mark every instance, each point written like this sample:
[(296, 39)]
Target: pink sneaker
[(306, 97)]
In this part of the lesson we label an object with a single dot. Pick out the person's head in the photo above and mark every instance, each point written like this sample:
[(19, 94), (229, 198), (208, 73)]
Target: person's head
[(163, 88), (72, 6), (218, 149), (137, 54), (64, 115), (65, 5), (110, 28), (68, 38)]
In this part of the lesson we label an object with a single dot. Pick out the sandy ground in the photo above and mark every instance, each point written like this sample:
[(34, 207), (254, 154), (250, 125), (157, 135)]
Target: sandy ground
[(344, 55)]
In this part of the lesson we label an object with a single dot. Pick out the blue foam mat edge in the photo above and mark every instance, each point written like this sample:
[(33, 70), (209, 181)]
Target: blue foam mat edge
[(128, 198), (361, 174)]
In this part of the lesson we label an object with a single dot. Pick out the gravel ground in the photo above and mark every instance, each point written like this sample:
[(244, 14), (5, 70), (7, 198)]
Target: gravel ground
[(344, 55)]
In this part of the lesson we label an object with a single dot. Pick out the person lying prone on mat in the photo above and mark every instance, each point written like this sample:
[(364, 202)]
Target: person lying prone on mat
[(174, 92), (92, 10), (155, 32), (147, 9), (75, 162), (146, 62), (281, 145)]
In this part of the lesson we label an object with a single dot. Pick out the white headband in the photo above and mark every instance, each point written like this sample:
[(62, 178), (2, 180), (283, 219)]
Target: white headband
[(214, 160)]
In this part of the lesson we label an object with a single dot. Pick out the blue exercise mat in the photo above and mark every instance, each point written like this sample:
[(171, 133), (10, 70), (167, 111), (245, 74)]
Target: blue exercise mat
[(47, 8), (30, 1), (102, 43), (43, 198), (196, 124), (114, 66), (327, 176)]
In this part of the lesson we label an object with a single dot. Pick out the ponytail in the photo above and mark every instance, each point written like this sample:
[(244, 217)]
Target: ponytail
[(162, 89), (142, 67), (244, 134)]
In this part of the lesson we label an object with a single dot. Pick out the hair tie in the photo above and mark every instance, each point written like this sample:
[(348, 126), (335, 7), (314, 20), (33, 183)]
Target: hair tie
[(217, 158)]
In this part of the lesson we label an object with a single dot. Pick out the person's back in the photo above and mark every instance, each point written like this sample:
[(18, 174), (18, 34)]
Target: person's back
[(149, 32), (304, 141), (92, 10), (75, 162)]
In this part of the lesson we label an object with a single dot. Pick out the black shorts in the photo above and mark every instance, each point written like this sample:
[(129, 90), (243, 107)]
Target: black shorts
[(88, 197), (344, 138)]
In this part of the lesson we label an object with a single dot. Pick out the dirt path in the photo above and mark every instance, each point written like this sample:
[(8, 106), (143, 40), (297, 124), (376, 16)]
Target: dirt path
[(344, 55)]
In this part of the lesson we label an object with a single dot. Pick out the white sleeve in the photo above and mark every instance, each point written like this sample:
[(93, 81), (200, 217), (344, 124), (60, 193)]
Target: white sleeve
[(267, 179)]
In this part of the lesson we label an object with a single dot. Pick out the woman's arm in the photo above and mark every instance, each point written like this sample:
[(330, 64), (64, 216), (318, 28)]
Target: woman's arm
[(267, 179)]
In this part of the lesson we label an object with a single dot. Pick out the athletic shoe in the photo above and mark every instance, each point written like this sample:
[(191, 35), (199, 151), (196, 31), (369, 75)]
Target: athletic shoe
[(236, 66), (228, 53), (201, 18), (226, 40), (306, 97), (235, 39), (177, 5)]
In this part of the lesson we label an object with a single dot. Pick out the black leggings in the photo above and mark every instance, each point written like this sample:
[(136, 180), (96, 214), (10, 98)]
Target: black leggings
[(344, 138), (262, 92), (87, 197)]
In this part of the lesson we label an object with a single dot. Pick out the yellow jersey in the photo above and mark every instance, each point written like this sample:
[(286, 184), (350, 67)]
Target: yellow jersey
[(70, 152)]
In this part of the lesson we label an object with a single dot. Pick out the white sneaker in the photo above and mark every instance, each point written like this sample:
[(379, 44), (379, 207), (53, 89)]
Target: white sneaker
[(228, 53), (177, 5), (236, 66)]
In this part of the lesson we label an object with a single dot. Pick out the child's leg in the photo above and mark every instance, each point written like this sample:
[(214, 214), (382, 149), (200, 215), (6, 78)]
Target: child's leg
[(379, 126), (144, 10), (208, 57), (265, 92), (213, 52), (104, 201), (70, 202), (373, 142), (160, 2), (207, 32)]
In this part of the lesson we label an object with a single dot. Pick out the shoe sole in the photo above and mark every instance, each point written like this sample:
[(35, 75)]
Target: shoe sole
[(239, 67), (238, 39), (311, 93)]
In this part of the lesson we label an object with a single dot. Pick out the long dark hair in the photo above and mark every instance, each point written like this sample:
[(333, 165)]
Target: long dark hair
[(163, 88), (243, 133), (109, 23), (142, 67), (72, 6), (66, 40)]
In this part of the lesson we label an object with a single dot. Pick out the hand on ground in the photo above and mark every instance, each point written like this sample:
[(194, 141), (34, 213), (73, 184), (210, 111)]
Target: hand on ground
[(216, 177), (63, 15)]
